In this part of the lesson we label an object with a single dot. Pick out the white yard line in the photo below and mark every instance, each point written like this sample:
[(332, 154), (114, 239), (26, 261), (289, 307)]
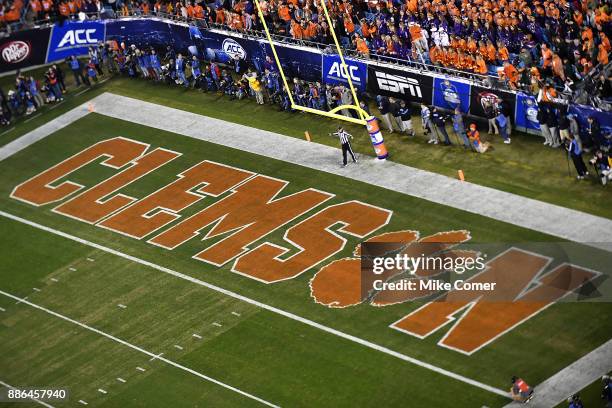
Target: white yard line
[(197, 336), (141, 369), (134, 347), (83, 402), (272, 309), (121, 380), (44, 404)]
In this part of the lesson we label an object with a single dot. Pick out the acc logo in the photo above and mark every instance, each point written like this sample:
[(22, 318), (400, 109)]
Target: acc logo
[(531, 111), (15, 51), (450, 94), (78, 37), (336, 71), (233, 49), (398, 84)]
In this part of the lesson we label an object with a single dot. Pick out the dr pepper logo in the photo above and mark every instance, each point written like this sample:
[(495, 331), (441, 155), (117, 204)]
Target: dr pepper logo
[(15, 51)]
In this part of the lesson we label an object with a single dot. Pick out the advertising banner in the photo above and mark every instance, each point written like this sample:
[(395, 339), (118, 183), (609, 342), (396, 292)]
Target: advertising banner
[(450, 94), (526, 116), (400, 84), (141, 32), (74, 38), (334, 74), (24, 49), (484, 100)]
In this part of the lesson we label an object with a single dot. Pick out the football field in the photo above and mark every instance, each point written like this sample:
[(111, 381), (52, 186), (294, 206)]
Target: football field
[(148, 268)]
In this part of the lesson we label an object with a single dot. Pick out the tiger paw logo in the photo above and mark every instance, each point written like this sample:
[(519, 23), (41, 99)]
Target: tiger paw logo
[(342, 283)]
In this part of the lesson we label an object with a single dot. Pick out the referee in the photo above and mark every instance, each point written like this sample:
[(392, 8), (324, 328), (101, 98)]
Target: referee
[(346, 144)]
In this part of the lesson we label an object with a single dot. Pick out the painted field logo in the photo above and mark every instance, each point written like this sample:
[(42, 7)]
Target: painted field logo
[(15, 51), (245, 208)]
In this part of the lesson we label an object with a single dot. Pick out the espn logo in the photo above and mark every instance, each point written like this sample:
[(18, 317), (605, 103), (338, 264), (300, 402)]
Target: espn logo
[(397, 84)]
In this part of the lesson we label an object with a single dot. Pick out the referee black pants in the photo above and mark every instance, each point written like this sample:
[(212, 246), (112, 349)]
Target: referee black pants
[(346, 148)]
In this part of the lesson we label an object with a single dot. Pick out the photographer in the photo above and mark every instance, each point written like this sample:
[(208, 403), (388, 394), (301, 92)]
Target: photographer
[(439, 122), (459, 128), (606, 392), (575, 401), (602, 162), (520, 390)]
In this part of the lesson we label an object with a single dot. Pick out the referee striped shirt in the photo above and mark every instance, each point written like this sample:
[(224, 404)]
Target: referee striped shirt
[(344, 136)]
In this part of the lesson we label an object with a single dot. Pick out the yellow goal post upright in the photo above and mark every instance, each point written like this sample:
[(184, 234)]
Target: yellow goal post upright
[(369, 121)]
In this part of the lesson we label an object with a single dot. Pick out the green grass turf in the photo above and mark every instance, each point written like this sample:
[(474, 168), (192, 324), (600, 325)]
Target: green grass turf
[(320, 370), (525, 167)]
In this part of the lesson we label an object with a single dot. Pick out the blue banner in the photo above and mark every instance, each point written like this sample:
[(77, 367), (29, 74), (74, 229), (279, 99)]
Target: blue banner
[(334, 74), (526, 112), (74, 38), (449, 94), (583, 112)]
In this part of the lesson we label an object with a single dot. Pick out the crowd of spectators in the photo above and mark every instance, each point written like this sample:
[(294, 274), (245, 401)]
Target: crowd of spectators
[(528, 44), (237, 81), (30, 94)]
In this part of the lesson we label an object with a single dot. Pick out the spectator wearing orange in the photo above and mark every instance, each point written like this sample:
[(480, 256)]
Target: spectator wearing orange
[(511, 75)]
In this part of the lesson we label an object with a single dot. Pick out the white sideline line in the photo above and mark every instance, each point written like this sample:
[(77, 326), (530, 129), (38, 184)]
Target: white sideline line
[(197, 336), (31, 118), (6, 131), (56, 105), (82, 92), (272, 309), (141, 369), (134, 347), (44, 404)]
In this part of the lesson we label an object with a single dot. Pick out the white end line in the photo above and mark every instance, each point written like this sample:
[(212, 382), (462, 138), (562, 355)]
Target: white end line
[(134, 347)]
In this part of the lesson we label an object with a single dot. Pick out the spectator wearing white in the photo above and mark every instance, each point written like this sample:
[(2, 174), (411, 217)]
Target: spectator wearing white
[(345, 99), (428, 126)]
